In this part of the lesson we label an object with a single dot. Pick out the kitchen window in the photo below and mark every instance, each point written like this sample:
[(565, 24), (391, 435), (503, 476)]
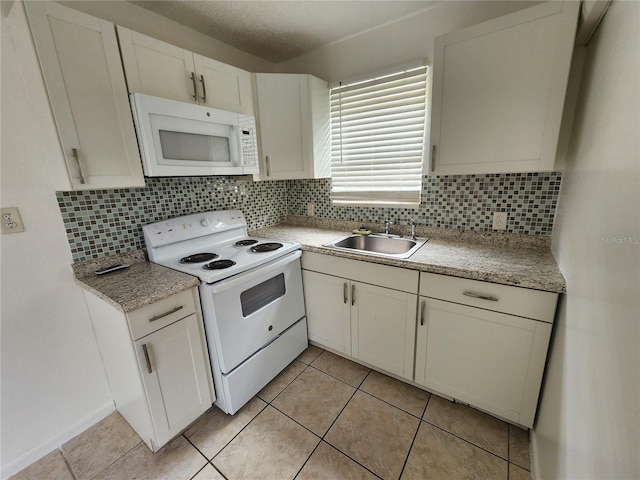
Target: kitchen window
[(377, 139)]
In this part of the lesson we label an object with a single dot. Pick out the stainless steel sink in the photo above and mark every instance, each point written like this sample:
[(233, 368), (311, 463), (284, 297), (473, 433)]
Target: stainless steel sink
[(382, 245)]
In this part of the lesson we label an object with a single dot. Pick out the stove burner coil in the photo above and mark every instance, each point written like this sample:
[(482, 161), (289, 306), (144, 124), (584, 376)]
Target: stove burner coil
[(219, 265), (266, 247), (199, 257), (246, 243)]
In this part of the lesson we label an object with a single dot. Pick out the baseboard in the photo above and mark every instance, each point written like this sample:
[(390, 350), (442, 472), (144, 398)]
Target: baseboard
[(51, 444), (533, 450)]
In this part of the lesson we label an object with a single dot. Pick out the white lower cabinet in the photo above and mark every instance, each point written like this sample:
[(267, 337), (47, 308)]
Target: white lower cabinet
[(478, 354), (328, 310), (480, 343), (157, 364), (372, 321), (383, 328)]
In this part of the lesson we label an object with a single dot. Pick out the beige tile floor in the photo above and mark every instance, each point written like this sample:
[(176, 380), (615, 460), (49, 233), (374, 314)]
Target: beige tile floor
[(323, 417)]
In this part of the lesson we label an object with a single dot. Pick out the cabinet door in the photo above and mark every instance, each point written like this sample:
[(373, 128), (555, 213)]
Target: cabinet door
[(223, 86), (81, 66), (284, 125), (498, 92), (490, 360), (172, 364), (157, 68), (383, 328), (328, 310)]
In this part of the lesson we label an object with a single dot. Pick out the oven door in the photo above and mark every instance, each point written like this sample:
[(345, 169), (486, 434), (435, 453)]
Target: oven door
[(247, 311)]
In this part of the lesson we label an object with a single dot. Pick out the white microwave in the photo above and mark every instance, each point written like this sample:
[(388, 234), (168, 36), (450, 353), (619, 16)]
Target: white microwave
[(183, 139)]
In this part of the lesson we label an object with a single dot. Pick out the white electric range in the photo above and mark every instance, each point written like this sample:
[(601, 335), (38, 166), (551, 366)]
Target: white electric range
[(251, 297)]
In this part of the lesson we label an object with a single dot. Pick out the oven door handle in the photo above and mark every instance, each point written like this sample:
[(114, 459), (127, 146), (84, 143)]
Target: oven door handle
[(258, 271)]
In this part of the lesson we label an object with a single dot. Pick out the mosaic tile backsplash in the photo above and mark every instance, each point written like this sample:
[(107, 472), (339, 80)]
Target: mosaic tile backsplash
[(463, 202), (105, 222), (100, 223)]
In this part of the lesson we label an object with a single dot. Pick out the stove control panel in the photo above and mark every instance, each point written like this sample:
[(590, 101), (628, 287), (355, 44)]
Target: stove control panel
[(189, 227)]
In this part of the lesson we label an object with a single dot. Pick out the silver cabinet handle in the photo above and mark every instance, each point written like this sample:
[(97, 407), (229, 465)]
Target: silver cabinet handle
[(344, 292), (481, 296), (166, 314), (204, 89), (268, 169), (422, 308), (433, 158), (353, 295), (146, 357), (195, 87), (74, 152)]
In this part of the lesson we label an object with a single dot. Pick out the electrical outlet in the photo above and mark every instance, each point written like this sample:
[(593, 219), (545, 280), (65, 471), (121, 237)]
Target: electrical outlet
[(311, 209), (499, 220), (11, 220)]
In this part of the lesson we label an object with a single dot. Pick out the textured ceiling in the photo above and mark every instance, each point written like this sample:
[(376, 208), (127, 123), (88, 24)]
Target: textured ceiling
[(280, 30)]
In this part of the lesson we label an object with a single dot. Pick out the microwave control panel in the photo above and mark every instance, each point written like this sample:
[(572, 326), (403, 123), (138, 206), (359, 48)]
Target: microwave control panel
[(248, 143)]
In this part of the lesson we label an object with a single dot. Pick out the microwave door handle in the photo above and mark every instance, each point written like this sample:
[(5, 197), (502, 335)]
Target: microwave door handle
[(242, 278), (204, 89)]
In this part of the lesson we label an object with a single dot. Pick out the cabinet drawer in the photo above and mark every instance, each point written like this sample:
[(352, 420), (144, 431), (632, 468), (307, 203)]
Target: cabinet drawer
[(522, 302), (159, 314), (362, 271)]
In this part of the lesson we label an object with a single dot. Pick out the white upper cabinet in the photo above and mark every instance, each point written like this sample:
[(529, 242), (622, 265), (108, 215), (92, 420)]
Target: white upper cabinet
[(498, 92), (81, 67), (294, 126), (158, 68)]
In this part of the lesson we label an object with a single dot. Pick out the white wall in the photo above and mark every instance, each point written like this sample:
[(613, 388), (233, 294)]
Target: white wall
[(53, 382), (589, 422), (398, 42)]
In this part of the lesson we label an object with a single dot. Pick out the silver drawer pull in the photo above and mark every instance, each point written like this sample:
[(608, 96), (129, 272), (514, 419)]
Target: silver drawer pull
[(422, 307), (74, 152), (166, 314), (481, 296), (146, 357), (344, 292)]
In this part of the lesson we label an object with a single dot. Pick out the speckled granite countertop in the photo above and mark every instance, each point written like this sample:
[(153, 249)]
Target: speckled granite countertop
[(134, 287), (520, 263)]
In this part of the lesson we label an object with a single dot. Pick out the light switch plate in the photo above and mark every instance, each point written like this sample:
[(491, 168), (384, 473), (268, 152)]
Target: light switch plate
[(499, 220), (11, 220), (311, 209)]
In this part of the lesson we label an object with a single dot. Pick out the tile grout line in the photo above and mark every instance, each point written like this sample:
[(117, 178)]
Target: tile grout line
[(267, 403), (464, 440), (234, 437), (395, 406), (308, 458), (406, 459), (205, 457), (119, 458), (205, 466), (285, 387), (66, 462), (332, 423), (322, 439)]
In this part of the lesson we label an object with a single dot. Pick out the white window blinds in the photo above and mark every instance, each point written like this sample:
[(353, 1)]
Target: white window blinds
[(377, 139)]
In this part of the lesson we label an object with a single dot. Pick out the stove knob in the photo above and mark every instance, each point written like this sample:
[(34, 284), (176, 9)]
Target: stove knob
[(205, 222)]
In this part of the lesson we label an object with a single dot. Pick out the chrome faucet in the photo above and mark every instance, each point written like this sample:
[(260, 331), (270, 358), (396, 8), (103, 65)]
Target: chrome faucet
[(413, 230), (387, 227)]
